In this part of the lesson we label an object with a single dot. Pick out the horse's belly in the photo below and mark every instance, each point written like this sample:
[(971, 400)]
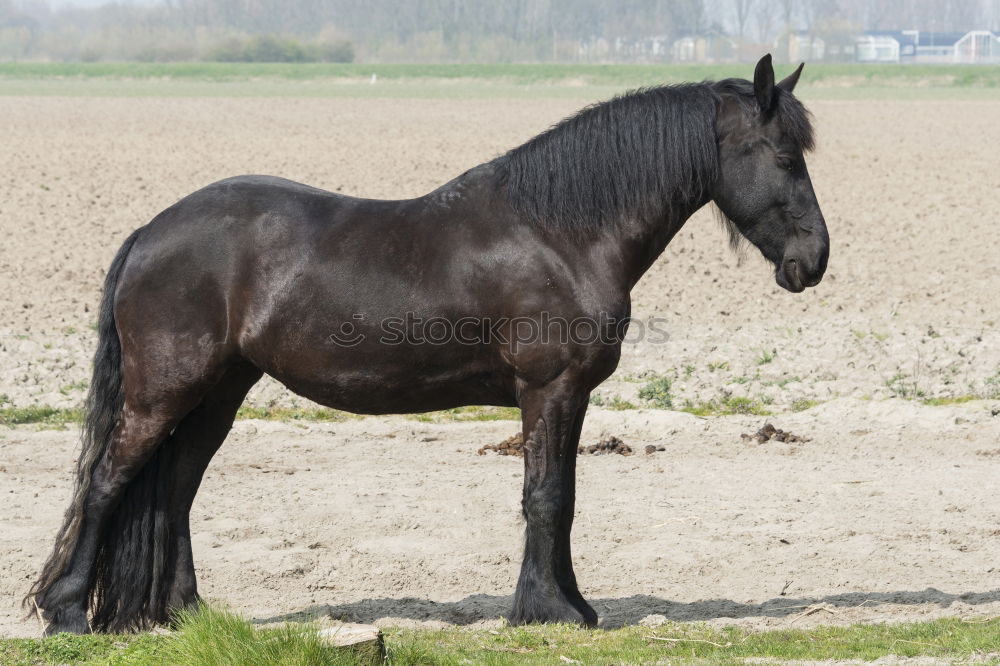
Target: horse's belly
[(367, 396), (392, 381)]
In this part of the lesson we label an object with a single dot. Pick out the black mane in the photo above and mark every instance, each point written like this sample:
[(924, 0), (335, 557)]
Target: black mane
[(640, 155)]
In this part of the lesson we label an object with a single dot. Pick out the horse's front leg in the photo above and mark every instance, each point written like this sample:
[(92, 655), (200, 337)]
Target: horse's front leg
[(546, 588)]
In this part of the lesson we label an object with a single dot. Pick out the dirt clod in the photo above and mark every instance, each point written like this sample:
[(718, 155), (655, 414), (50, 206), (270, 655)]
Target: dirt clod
[(769, 432)]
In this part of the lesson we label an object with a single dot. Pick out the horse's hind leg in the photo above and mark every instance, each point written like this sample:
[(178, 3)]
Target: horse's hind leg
[(195, 440), (139, 431), (118, 538), (546, 588)]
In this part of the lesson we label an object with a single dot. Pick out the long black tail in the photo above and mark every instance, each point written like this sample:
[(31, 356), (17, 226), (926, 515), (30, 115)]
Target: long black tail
[(104, 403)]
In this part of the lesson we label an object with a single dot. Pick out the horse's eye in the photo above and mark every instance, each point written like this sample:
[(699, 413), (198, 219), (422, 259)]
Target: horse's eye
[(786, 163)]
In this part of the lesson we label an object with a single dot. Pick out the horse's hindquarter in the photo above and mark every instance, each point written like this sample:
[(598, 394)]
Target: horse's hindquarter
[(363, 305)]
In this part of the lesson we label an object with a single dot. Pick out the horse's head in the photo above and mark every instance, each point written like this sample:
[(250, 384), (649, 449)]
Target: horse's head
[(763, 188)]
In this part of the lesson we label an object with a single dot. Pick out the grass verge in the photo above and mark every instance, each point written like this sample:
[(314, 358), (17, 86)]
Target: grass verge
[(59, 417), (466, 81), (957, 76), (219, 638)]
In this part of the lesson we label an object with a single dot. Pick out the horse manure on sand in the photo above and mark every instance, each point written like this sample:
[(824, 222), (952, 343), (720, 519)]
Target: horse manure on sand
[(768, 432), (514, 446)]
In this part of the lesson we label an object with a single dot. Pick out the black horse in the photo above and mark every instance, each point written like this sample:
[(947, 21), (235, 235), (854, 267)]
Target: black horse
[(327, 294)]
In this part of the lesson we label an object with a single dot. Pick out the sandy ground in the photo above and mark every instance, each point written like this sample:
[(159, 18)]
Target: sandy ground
[(890, 510)]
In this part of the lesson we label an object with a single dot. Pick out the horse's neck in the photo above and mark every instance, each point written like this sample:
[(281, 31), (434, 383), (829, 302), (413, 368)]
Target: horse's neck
[(632, 246)]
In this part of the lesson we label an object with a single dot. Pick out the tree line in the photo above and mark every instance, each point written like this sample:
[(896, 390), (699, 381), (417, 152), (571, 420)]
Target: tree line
[(441, 30)]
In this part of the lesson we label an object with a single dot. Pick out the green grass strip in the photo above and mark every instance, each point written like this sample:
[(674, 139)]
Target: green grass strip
[(935, 75), (60, 417), (213, 637)]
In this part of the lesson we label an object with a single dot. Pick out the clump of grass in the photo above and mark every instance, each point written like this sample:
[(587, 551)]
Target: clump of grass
[(80, 385), (991, 387), (619, 404), (949, 400), (901, 387), (785, 381), (802, 404), (766, 357), (469, 414), (209, 636), (274, 413), (616, 402), (656, 392), (728, 406), (47, 416)]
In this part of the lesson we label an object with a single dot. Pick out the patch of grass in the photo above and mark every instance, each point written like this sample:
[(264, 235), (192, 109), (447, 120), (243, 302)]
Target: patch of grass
[(469, 414), (75, 386), (213, 637), (802, 404), (991, 387), (47, 416), (273, 413), (718, 365), (656, 392), (728, 406), (901, 387), (957, 400), (616, 402), (131, 650), (766, 357)]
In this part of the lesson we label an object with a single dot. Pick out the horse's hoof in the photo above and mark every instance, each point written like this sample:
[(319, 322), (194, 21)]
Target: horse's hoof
[(553, 610), (581, 605), (67, 622), (588, 613)]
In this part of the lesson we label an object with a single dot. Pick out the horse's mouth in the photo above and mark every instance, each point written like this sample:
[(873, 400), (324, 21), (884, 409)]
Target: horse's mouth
[(787, 277)]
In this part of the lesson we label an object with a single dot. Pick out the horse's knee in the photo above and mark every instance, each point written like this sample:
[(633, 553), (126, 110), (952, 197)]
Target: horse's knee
[(542, 505)]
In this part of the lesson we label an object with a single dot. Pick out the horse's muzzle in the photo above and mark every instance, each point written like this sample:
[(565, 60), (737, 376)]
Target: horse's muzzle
[(803, 267)]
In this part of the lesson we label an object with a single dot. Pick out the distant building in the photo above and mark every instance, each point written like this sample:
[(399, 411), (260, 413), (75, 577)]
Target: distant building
[(800, 46), (884, 45), (711, 46), (978, 47), (915, 46)]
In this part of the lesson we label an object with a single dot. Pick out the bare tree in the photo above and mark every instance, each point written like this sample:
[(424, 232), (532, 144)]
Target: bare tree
[(788, 10), (764, 16), (742, 9)]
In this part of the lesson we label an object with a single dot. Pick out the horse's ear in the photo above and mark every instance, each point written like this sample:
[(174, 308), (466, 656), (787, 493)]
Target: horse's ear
[(788, 83), (763, 84)]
